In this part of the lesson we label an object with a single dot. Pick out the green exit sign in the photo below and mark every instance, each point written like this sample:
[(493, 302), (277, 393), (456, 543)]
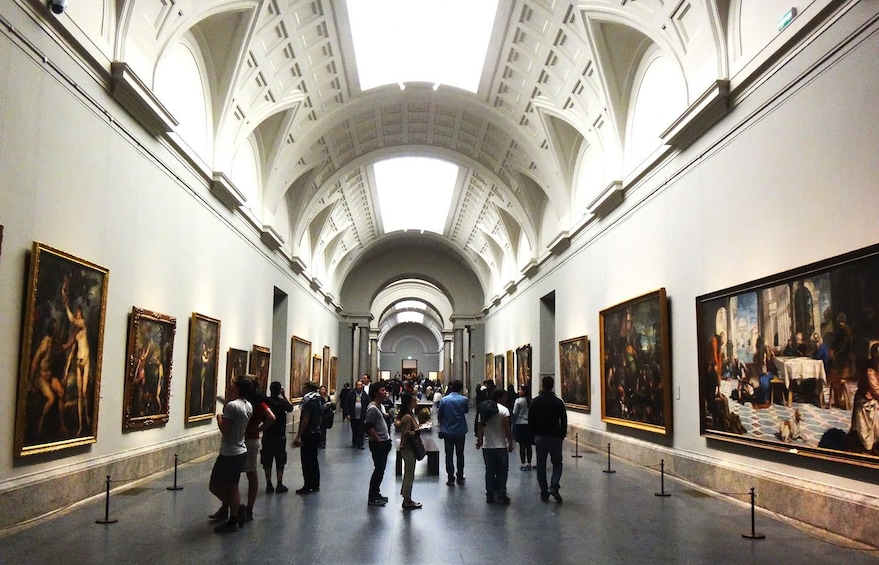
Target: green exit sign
[(787, 18)]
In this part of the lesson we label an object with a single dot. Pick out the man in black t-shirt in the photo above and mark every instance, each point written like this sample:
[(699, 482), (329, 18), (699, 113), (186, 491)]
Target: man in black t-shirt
[(308, 438), (274, 441)]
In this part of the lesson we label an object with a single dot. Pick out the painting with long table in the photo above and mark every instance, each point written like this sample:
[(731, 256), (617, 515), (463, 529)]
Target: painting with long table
[(791, 362), (636, 363), (59, 381)]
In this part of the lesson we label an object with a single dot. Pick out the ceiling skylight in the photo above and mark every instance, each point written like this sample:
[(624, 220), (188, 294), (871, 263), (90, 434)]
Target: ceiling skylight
[(414, 193), (397, 41)]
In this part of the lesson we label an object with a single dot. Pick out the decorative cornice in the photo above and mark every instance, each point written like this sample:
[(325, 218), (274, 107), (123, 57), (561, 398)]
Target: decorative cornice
[(703, 113), (136, 97), (610, 198), (226, 192)]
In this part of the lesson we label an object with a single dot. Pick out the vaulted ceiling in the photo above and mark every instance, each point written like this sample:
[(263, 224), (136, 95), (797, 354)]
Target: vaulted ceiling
[(551, 127)]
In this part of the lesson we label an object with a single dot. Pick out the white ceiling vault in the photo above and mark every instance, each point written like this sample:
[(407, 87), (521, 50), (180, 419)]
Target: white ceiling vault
[(559, 125)]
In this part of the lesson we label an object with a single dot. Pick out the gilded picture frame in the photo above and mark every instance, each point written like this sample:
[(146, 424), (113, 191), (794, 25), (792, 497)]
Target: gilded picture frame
[(523, 366), (300, 366), (260, 362), (790, 362), (489, 366), (499, 363), (636, 379), (202, 368), (236, 365), (59, 380), (510, 373), (334, 375), (148, 364), (325, 367), (316, 366), (575, 382)]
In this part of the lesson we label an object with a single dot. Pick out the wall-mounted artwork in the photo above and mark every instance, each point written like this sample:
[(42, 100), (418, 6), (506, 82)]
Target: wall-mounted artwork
[(636, 364), (499, 361), (325, 369), (489, 366), (574, 371), (300, 366), (316, 366), (202, 367), (148, 369), (790, 362), (510, 374), (260, 357), (59, 379), (334, 375), (523, 366), (236, 365)]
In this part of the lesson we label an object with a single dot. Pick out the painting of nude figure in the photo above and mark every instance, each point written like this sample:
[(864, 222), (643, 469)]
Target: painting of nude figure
[(148, 369), (60, 374), (790, 362), (202, 367)]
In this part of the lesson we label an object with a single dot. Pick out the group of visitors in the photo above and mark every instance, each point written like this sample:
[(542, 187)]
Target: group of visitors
[(247, 415)]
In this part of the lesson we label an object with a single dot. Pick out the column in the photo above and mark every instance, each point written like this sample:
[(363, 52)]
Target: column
[(458, 361)]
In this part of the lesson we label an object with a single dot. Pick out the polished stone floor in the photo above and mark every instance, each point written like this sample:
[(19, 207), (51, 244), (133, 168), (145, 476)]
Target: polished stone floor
[(605, 518)]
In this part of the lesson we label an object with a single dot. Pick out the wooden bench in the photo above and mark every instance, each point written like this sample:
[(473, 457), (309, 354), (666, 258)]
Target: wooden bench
[(433, 466)]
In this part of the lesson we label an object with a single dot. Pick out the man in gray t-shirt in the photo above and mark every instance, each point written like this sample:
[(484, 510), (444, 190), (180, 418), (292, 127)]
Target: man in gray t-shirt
[(233, 451)]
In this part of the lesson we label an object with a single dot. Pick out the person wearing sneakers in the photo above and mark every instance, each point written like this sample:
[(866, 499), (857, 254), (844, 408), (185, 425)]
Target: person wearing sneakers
[(523, 429), (451, 415), (549, 423), (274, 439), (376, 425), (495, 438), (233, 452), (261, 418)]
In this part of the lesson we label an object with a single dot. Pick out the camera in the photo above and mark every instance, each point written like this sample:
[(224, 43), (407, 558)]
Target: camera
[(57, 6)]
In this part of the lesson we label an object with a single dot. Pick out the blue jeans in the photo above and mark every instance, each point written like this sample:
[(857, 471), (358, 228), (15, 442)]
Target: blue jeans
[(497, 466), (552, 446), (454, 446)]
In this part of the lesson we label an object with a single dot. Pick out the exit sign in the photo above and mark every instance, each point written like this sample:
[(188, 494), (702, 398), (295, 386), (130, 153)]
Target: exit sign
[(787, 18)]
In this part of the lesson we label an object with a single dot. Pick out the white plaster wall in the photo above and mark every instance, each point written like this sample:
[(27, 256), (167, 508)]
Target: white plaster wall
[(797, 185), (74, 181)]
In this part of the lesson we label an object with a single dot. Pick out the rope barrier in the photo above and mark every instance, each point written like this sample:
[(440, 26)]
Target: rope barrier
[(106, 519), (576, 454), (175, 487), (608, 470)]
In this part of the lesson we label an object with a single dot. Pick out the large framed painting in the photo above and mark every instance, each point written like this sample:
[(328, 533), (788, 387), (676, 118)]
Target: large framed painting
[(236, 365), (790, 362), (575, 383), (325, 368), (300, 366), (499, 361), (316, 366), (489, 366), (523, 366), (510, 374), (59, 379), (260, 357), (636, 364), (334, 375), (148, 369), (202, 365)]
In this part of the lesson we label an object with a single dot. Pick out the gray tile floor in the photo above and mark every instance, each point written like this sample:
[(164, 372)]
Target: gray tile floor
[(605, 518)]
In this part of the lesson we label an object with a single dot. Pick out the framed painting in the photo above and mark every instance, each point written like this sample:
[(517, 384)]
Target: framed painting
[(636, 364), (499, 369), (148, 369), (575, 383), (489, 366), (509, 376), (236, 365), (325, 369), (334, 375), (260, 357), (300, 366), (790, 362), (523, 365), (316, 366), (62, 341), (202, 365)]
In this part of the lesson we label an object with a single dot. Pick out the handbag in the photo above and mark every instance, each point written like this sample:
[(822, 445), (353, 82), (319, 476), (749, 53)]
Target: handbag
[(418, 447)]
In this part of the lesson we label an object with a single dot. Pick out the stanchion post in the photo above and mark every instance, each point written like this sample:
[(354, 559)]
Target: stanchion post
[(662, 479), (608, 470), (175, 487), (576, 454), (106, 519), (754, 534)]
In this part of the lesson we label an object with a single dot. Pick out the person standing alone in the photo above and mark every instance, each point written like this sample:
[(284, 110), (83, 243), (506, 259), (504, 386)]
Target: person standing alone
[(308, 438), (549, 424)]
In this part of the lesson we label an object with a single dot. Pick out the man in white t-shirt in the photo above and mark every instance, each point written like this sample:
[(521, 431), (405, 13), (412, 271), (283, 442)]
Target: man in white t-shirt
[(233, 452), (495, 438)]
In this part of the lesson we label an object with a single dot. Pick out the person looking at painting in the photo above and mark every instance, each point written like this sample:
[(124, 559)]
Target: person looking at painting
[(274, 441), (494, 437), (261, 418), (549, 423), (523, 429), (226, 473), (45, 381), (308, 438)]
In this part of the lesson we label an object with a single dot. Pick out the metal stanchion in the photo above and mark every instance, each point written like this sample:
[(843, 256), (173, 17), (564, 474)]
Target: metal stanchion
[(662, 479), (754, 534), (106, 519), (608, 470), (576, 446), (175, 487)]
